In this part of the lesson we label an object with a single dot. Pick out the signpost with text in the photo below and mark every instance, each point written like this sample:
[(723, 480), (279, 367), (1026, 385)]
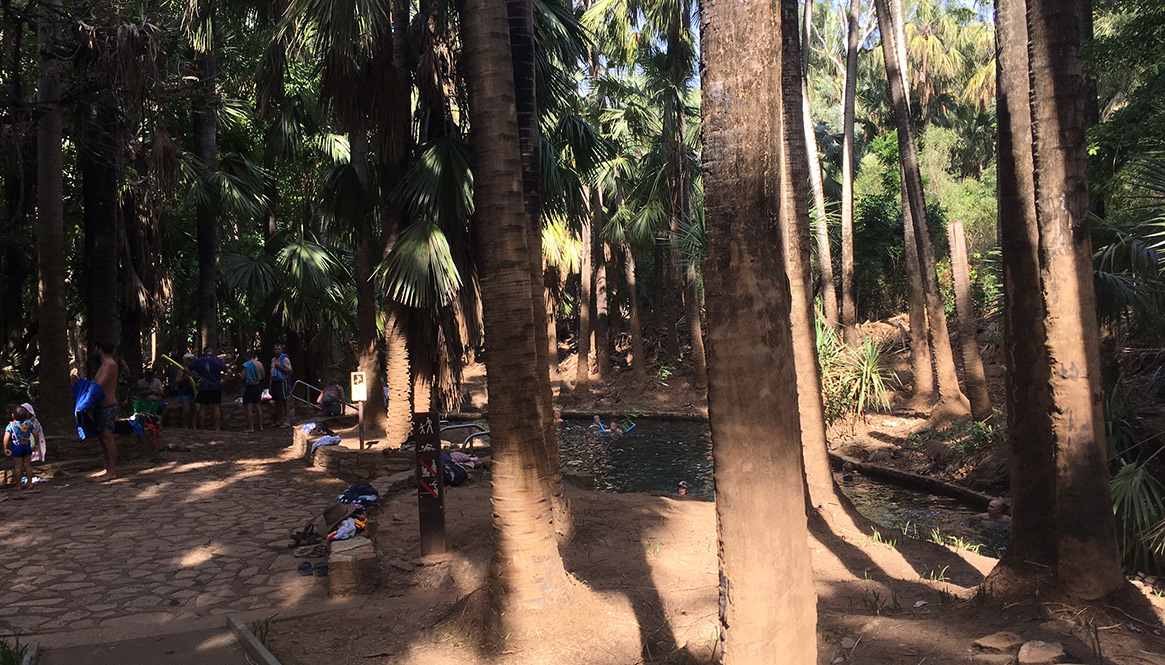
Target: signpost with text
[(359, 392), (430, 484)]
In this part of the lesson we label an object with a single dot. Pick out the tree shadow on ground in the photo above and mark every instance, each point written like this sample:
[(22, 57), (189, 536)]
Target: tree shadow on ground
[(635, 580)]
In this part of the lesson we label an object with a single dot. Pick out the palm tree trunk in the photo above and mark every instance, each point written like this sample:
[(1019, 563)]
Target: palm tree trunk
[(206, 151), (695, 325), (828, 288), (521, 21), (602, 318), (1029, 430), (638, 354), (794, 217), (952, 401), (582, 375), (97, 157), (665, 285), (756, 443), (848, 288), (369, 249), (527, 575), (973, 372), (922, 372), (55, 402), (1088, 564), (551, 337)]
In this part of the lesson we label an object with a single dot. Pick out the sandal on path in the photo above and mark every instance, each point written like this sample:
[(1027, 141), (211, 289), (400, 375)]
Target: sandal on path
[(305, 569), (321, 569)]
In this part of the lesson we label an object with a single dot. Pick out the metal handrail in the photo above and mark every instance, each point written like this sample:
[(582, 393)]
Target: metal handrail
[(469, 439), (308, 400), (450, 428)]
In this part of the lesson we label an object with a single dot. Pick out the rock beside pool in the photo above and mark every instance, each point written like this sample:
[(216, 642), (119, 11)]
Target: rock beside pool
[(1041, 653)]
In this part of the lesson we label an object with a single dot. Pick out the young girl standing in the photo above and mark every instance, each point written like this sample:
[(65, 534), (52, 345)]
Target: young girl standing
[(18, 444)]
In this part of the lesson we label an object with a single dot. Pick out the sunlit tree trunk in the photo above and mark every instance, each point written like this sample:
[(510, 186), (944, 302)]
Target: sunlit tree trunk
[(582, 376), (973, 373), (828, 288), (522, 48), (638, 354), (602, 317), (794, 218), (924, 392), (55, 405), (1088, 565), (848, 289), (953, 403), (527, 573), (767, 613)]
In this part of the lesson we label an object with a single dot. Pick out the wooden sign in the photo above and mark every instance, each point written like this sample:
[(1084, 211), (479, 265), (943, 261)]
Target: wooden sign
[(359, 387), (430, 482)]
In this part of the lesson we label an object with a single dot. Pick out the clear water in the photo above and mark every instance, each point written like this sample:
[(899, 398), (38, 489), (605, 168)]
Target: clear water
[(656, 455)]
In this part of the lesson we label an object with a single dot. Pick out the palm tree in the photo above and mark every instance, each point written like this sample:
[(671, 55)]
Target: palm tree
[(848, 289), (1041, 70), (199, 24), (924, 391), (752, 388), (952, 401), (52, 336), (828, 288), (528, 573), (973, 373)]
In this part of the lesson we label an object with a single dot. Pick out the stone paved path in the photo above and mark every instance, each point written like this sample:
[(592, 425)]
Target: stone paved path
[(199, 535)]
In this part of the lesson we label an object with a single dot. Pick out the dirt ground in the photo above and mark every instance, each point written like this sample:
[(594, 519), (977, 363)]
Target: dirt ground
[(647, 573), (646, 567)]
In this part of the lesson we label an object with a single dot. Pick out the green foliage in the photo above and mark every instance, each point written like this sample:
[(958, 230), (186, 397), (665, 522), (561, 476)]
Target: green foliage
[(854, 381), (12, 653), (1138, 498)]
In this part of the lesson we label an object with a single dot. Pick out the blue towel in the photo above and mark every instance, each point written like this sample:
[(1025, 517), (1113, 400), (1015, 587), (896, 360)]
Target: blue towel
[(87, 395), (325, 441)]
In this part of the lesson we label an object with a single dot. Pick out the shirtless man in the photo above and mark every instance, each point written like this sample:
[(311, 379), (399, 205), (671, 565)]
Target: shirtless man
[(105, 416)]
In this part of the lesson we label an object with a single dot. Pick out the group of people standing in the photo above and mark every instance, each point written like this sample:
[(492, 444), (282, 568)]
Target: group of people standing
[(200, 388)]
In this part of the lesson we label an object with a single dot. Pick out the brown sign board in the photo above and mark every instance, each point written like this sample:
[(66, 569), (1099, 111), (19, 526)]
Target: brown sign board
[(430, 482)]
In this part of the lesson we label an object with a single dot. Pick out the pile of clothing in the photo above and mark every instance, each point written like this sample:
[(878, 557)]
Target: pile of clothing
[(455, 466), (360, 496)]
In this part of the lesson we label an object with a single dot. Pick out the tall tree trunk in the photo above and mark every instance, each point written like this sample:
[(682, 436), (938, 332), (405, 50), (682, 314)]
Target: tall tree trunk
[(369, 250), (1088, 564), (924, 392), (665, 281), (582, 375), (849, 100), (638, 354), (752, 388), (97, 156), (973, 374), (816, 184), (527, 574), (522, 48), (602, 318), (206, 151), (551, 337), (952, 404), (55, 405), (695, 325), (795, 239)]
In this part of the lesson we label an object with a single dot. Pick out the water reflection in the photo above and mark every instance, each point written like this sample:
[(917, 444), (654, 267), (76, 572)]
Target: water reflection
[(657, 454)]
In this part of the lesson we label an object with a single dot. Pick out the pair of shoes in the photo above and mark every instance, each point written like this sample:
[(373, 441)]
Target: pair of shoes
[(305, 536), (312, 552)]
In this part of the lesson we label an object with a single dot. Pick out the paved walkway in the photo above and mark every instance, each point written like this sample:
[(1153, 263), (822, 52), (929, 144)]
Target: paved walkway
[(195, 537)]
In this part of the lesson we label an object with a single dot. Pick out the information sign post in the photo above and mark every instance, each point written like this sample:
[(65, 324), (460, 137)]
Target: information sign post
[(430, 483), (359, 393)]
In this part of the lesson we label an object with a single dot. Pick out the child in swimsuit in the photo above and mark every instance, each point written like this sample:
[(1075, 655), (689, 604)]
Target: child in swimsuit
[(18, 445)]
